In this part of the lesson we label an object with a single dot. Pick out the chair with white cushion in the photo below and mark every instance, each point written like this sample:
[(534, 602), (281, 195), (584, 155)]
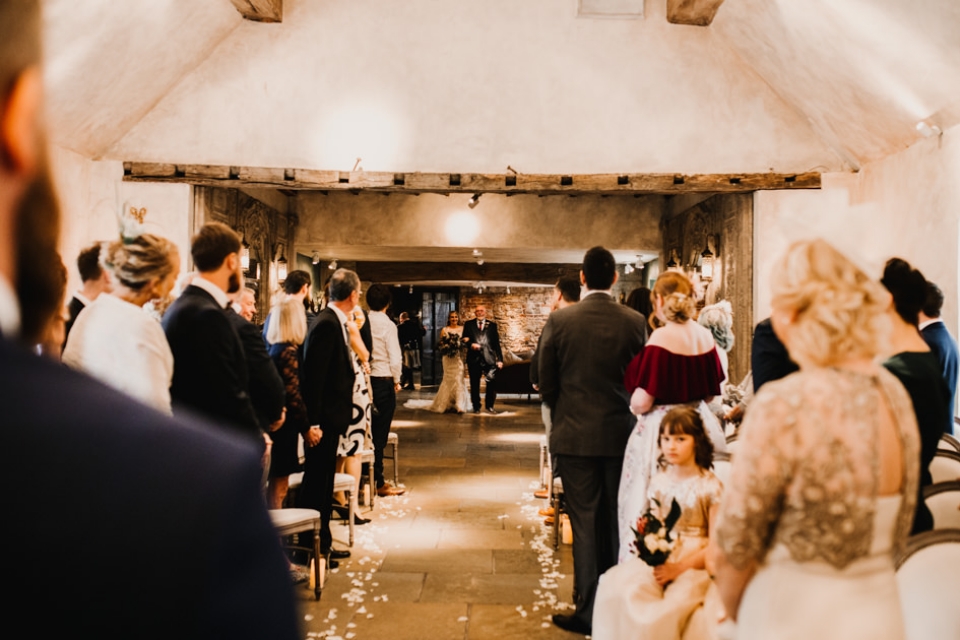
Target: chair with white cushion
[(345, 482), (943, 500), (290, 521), (945, 466), (393, 441), (929, 581)]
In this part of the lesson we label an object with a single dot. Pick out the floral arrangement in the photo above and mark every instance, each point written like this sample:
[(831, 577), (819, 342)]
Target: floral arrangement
[(655, 540), (450, 345)]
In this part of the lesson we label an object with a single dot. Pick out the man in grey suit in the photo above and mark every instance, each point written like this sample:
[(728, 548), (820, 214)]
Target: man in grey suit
[(584, 352)]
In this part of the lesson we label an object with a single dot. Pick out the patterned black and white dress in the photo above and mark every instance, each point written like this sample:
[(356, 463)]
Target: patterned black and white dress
[(353, 442)]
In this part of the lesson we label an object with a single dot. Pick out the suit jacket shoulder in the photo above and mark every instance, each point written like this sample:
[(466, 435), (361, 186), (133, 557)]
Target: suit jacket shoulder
[(266, 386), (186, 489)]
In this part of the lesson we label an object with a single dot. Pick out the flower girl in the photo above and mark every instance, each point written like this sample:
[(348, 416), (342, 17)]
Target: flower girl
[(636, 600)]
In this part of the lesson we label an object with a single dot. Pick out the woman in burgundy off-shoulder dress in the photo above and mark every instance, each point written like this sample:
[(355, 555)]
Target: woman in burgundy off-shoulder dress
[(678, 365)]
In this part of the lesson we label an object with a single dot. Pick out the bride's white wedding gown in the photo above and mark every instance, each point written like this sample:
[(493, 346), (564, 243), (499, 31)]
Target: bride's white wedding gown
[(452, 395)]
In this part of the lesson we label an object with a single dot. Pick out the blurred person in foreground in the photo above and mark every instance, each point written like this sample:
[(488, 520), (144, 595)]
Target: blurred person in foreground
[(822, 491), (204, 552)]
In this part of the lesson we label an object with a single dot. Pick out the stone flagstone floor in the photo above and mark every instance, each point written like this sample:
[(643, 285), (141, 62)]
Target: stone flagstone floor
[(463, 555)]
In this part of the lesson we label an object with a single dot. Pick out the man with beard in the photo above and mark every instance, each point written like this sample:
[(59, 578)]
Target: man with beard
[(210, 374), (203, 542)]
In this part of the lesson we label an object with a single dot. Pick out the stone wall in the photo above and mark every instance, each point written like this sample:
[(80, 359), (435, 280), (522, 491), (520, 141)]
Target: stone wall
[(520, 314)]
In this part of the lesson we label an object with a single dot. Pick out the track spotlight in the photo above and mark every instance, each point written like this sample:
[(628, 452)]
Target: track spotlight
[(474, 200), (333, 265), (316, 257)]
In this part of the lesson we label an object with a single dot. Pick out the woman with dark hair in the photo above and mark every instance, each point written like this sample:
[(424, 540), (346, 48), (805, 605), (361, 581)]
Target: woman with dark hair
[(917, 369), (640, 300), (114, 338)]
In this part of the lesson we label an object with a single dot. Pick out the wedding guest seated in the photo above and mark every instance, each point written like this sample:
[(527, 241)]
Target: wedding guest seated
[(917, 369), (822, 490), (114, 339), (652, 597)]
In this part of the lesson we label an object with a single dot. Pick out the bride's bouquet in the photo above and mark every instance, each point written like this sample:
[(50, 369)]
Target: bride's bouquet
[(655, 540), (450, 345)]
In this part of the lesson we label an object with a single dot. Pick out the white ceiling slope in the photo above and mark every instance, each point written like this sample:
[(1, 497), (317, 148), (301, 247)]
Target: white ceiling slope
[(108, 62), (435, 85), (864, 72)]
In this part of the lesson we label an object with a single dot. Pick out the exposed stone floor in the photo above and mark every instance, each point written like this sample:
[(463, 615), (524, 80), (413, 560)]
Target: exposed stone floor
[(463, 555)]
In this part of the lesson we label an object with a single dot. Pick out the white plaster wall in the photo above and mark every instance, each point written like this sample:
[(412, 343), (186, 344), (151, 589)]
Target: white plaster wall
[(443, 85), (90, 194), (906, 205)]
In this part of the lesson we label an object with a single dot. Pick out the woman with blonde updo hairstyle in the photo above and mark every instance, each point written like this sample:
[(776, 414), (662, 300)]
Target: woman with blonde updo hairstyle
[(678, 366), (114, 338), (821, 496)]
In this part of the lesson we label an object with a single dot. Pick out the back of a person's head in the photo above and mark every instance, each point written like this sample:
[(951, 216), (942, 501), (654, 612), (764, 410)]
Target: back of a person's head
[(88, 263), (569, 289), (676, 290), (838, 311), (718, 318), (639, 300), (599, 269), (212, 244), (137, 261), (378, 297), (908, 288), (342, 283), (291, 324), (296, 280), (933, 302)]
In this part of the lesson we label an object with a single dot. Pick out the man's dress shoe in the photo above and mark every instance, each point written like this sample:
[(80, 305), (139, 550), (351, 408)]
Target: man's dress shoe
[(571, 623), (337, 554)]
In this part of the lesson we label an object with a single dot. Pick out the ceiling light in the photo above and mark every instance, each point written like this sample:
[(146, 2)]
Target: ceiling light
[(480, 261), (316, 257), (627, 269), (333, 265), (928, 130), (411, 289), (508, 290), (472, 202)]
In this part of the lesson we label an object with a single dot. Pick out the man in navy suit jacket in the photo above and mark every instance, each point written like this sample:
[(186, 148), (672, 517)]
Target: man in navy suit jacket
[(935, 333), (145, 526), (209, 371)]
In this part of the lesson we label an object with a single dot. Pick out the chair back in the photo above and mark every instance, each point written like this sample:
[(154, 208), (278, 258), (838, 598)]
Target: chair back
[(732, 444), (943, 500), (945, 466), (949, 443), (928, 582)]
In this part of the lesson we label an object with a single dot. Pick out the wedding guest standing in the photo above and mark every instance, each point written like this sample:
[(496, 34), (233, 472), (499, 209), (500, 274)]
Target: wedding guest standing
[(935, 334), (484, 357), (823, 486), (584, 351), (94, 281), (114, 339), (386, 362)]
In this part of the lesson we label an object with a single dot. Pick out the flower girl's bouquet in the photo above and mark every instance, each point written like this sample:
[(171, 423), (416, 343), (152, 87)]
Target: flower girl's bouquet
[(655, 539)]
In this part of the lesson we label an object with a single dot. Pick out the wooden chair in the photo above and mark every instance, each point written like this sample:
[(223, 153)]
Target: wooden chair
[(722, 466), (290, 521), (732, 444), (943, 500), (346, 483), (367, 457), (949, 443), (556, 501), (945, 466), (929, 582)]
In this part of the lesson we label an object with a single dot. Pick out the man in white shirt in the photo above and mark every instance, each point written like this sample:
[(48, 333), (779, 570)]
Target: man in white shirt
[(386, 366)]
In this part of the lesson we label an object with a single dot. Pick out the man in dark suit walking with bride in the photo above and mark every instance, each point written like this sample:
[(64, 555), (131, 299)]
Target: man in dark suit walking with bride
[(484, 357)]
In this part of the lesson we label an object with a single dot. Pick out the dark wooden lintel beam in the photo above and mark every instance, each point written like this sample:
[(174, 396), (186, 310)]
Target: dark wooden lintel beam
[(413, 272), (445, 183)]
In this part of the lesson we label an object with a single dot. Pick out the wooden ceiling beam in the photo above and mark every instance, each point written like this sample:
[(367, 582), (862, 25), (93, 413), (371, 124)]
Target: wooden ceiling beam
[(445, 183), (699, 13), (260, 10)]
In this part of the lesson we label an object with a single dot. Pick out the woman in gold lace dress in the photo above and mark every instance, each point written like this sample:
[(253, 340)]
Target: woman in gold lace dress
[(822, 491)]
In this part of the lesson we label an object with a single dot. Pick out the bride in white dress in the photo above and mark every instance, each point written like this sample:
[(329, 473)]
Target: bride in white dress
[(823, 486), (452, 397)]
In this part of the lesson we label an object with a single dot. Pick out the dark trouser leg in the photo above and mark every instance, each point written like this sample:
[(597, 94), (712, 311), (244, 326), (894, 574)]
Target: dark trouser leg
[(385, 399), (590, 486), (476, 371), (491, 392), (316, 491)]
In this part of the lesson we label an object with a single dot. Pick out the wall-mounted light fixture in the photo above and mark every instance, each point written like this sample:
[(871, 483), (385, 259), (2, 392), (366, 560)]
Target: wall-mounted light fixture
[(474, 200), (706, 262), (333, 265), (281, 265), (627, 269), (244, 252), (316, 257)]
